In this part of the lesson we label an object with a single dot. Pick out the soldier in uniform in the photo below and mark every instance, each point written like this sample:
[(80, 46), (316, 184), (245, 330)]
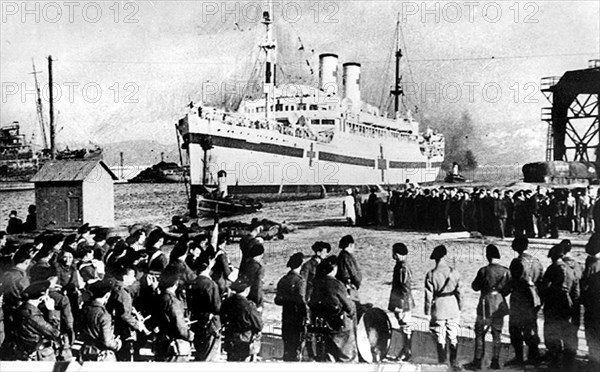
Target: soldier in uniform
[(120, 305), (560, 291), (443, 303), (577, 268), (526, 275), (33, 336), (331, 305), (97, 333), (86, 267), (493, 281), (14, 282), (204, 300), (348, 271), (156, 258), (309, 269), (62, 306), (291, 295), (176, 335), (308, 272), (401, 298), (179, 267), (252, 272), (243, 324), (590, 294), (222, 267)]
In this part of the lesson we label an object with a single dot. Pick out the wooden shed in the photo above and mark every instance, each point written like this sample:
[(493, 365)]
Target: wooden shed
[(71, 192)]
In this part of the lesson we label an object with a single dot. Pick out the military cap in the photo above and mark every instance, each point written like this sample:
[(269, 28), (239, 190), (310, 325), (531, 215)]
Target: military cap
[(255, 250), (100, 288), (320, 246), (239, 285), (84, 229), (346, 241), (12, 213), (24, 253), (400, 248), (556, 251), (491, 251), (36, 290), (44, 252), (40, 239), (566, 244), (438, 252), (520, 243), (53, 239), (38, 273), (70, 239), (154, 236), (295, 260), (326, 266), (250, 243), (593, 245), (100, 234), (113, 240)]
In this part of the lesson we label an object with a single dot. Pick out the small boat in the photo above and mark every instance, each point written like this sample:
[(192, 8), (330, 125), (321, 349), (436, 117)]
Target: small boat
[(454, 178), (208, 205)]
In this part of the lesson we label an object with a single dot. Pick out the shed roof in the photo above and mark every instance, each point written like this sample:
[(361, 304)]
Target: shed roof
[(69, 170)]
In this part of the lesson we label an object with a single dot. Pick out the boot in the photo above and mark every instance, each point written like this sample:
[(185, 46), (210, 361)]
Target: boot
[(518, 359), (495, 364), (533, 355), (406, 352), (474, 365), (453, 358), (441, 350)]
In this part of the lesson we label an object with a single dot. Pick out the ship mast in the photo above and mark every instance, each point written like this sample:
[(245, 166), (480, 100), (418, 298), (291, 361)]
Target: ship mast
[(52, 129), (40, 110), (269, 47), (397, 91)]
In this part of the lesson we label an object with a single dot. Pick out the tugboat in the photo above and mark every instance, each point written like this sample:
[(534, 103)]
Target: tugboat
[(219, 203)]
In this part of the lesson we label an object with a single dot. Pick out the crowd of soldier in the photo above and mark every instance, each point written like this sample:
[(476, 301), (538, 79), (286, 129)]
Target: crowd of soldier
[(502, 213), (115, 295)]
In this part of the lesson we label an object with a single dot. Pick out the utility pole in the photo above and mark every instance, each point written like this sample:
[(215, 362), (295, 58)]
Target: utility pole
[(52, 129)]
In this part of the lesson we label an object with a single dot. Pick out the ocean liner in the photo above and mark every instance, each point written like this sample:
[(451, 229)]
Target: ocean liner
[(301, 139)]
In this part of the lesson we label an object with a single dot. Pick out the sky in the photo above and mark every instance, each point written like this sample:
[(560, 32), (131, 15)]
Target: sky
[(126, 70)]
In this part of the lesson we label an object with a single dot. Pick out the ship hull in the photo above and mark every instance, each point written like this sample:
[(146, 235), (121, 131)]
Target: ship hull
[(262, 161)]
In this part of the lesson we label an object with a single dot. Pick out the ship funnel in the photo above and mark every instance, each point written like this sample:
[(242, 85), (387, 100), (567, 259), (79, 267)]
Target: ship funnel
[(328, 72), (352, 82)]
